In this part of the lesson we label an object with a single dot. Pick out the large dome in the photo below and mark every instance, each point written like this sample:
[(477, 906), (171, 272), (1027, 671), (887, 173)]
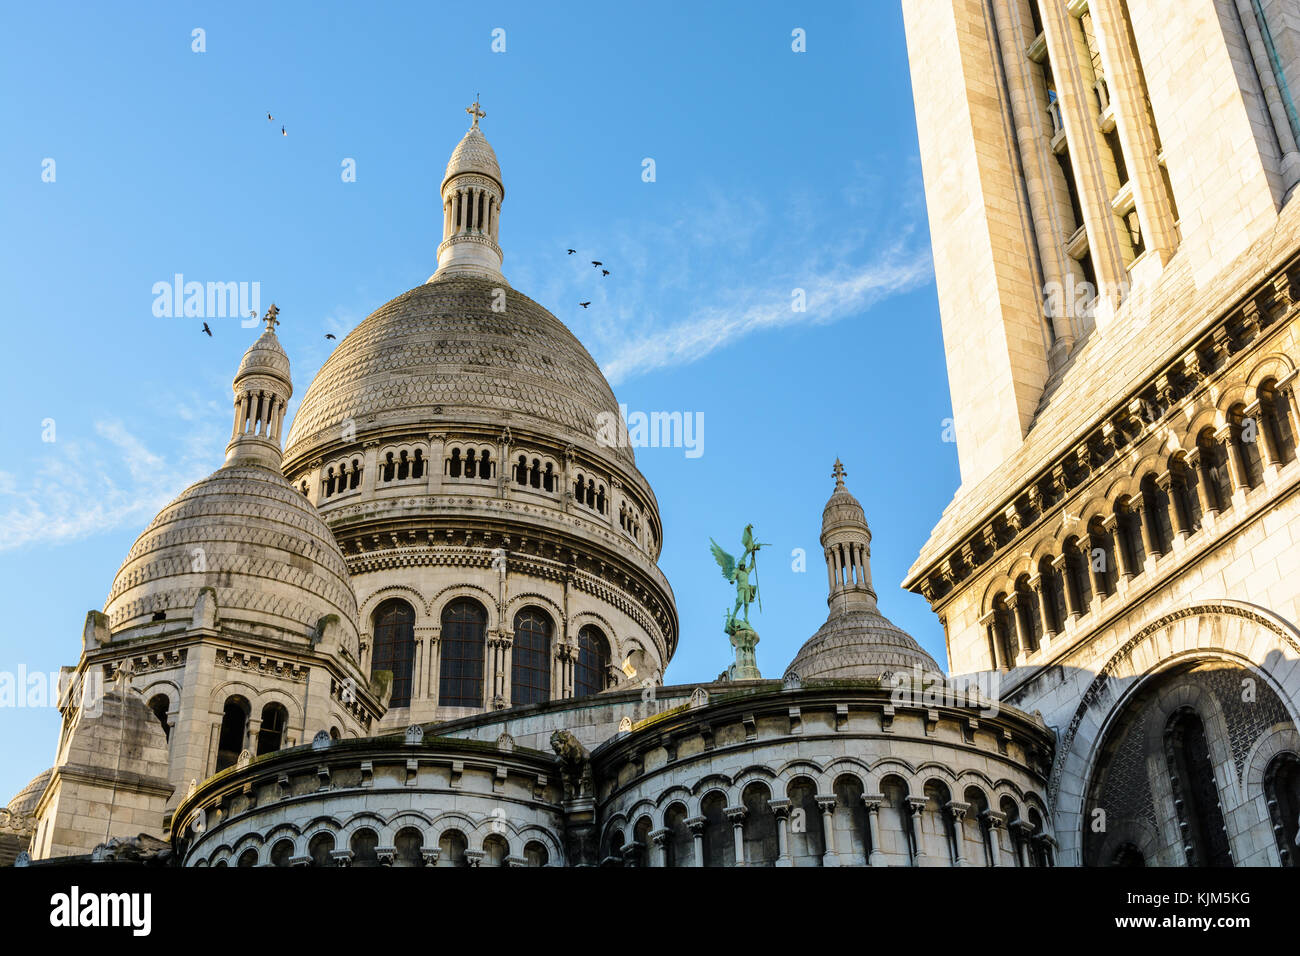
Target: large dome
[(859, 644), (441, 352), (244, 532)]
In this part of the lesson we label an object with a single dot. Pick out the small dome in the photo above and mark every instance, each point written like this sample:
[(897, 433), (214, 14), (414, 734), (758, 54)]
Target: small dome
[(265, 357), (441, 352), (843, 511), (859, 644), (24, 802), (246, 533), (474, 154)]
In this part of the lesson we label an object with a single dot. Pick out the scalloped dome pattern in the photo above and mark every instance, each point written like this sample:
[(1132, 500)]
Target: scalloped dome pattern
[(264, 549), (858, 644), (265, 357), (439, 353), (474, 154)]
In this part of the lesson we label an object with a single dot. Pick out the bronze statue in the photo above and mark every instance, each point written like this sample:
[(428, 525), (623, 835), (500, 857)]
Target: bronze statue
[(738, 572)]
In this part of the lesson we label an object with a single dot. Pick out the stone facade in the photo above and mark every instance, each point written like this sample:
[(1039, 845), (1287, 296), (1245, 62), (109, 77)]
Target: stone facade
[(1126, 540)]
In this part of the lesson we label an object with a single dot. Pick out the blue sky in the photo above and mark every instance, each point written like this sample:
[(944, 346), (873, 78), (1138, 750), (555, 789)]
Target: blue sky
[(775, 170)]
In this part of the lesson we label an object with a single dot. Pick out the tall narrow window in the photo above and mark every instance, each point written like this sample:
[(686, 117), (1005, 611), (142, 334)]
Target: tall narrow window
[(530, 668), (270, 736), (464, 635), (394, 624), (234, 722), (1196, 794), (1282, 791), (593, 662)]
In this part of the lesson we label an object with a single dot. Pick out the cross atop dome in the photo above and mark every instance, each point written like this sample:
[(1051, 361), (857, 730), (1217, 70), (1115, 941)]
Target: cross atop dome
[(475, 111), (270, 318), (838, 473)]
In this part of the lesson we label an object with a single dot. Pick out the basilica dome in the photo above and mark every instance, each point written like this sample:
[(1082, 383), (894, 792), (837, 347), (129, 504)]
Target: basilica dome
[(243, 531), (474, 154), (461, 348), (857, 641)]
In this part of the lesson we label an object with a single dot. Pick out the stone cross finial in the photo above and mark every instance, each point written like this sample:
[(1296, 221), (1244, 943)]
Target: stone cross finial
[(838, 474), (474, 111), (270, 318)]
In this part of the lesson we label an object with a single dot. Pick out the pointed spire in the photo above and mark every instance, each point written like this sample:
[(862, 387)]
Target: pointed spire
[(846, 539), (262, 391), (472, 193)]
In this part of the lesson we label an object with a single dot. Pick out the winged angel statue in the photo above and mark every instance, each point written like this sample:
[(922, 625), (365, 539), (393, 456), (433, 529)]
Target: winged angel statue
[(738, 572)]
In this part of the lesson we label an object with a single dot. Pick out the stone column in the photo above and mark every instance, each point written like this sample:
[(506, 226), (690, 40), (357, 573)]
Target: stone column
[(1272, 454), (433, 669), (1146, 527), (782, 810), (957, 813), (1236, 467), (989, 623), (872, 801), (916, 809), (1024, 831), (737, 817), (697, 825), (1206, 494), (1039, 587), (1165, 482), (993, 821), (660, 840), (1111, 524), (1017, 621), (827, 803), (1062, 567), (437, 451), (1094, 575)]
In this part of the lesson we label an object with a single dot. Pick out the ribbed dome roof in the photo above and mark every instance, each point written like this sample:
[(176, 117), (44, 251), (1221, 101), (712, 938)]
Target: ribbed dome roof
[(265, 357), (246, 533), (24, 802), (843, 511), (441, 353), (474, 154), (858, 644)]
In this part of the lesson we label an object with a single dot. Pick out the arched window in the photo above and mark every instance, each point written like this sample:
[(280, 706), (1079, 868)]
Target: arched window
[(535, 853), (471, 464), (234, 722), (282, 852), (160, 705), (452, 846), (521, 470), (408, 845), (977, 846), (1276, 412), (248, 858), (761, 840), (390, 469), (807, 843), (548, 478), (417, 467), (719, 840), (1196, 794), (1214, 461), (1128, 855), (464, 635), (394, 628), (1156, 504), (679, 847), (1031, 622), (354, 480), (852, 833), (1102, 555), (363, 845), (1185, 499), (270, 735), (1004, 630), (1282, 791), (1128, 534), (530, 662), (1076, 568), (591, 672), (320, 849), (495, 850), (485, 465), (1245, 432), (453, 464)]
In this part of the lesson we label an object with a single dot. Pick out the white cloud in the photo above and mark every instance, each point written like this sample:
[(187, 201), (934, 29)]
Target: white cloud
[(102, 482)]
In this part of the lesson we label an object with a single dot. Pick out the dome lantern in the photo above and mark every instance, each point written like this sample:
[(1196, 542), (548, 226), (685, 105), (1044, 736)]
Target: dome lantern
[(262, 392), (472, 193)]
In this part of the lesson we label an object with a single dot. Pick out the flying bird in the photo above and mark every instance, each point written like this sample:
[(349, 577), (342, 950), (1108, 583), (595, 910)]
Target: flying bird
[(269, 117), (282, 132), (604, 272), (329, 335), (597, 264), (572, 251), (585, 304), (207, 330)]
